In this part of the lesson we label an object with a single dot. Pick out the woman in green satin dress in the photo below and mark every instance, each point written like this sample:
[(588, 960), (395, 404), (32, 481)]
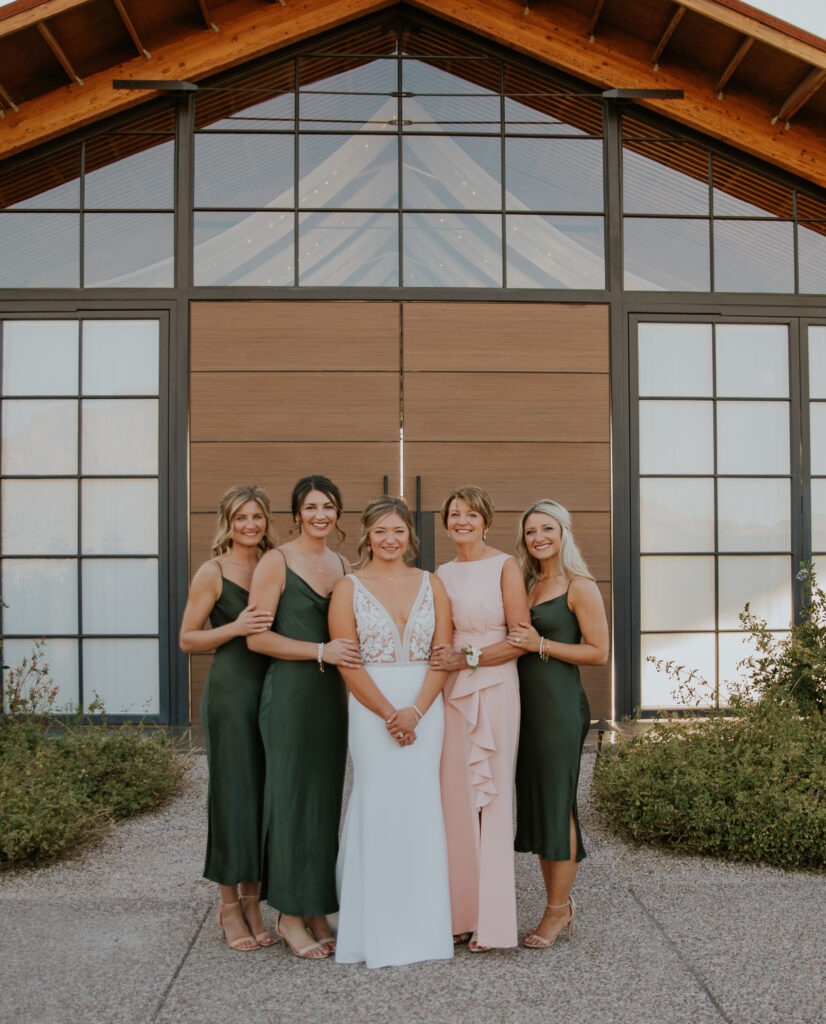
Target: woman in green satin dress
[(568, 628), (218, 616), (303, 719)]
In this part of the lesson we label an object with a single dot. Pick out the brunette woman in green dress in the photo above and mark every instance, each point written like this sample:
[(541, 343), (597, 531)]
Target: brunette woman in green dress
[(568, 628), (219, 616), (303, 721)]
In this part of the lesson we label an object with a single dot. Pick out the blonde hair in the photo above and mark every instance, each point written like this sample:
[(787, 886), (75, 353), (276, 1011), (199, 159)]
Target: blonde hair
[(231, 502), (376, 510), (569, 560), (480, 501)]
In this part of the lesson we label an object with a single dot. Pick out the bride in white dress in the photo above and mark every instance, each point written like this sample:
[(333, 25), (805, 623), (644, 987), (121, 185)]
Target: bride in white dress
[(392, 864)]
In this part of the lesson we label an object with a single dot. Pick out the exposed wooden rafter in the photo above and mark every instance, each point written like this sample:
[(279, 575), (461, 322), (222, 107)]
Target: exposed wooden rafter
[(592, 22), (58, 51), (6, 98), (130, 28), (744, 47), (676, 18), (802, 94), (205, 15)]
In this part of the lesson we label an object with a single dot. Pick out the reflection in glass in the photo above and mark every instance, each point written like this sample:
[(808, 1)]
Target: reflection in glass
[(120, 595), (811, 257), (753, 256), (49, 182), (342, 171), (40, 596), (551, 114), (753, 360), (39, 250), (555, 251), (244, 248), (119, 436), (39, 437), (39, 517), (676, 437), (376, 76), (453, 114), (655, 179), (742, 192), (817, 362), (752, 438), (666, 253), (61, 657), (120, 357), (242, 112), (451, 250), (554, 174), (420, 76), (244, 170), (40, 357), (348, 249), (676, 593), (691, 649), (322, 111), (676, 514), (142, 181), (449, 173), (120, 517), (754, 515), (764, 582), (128, 250), (124, 673), (817, 435), (819, 518), (675, 359)]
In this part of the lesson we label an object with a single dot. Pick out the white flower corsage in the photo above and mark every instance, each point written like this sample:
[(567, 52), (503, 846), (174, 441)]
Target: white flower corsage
[(473, 655)]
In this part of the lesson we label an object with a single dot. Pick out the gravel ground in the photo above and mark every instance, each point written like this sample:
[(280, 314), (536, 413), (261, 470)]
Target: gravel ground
[(125, 932)]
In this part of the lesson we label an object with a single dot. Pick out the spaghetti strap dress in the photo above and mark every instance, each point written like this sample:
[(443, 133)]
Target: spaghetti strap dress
[(235, 754), (555, 721), (303, 721), (478, 759)]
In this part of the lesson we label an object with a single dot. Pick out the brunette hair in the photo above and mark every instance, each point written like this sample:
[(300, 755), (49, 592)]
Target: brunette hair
[(324, 484), (569, 560), (231, 501), (376, 510), (480, 501)]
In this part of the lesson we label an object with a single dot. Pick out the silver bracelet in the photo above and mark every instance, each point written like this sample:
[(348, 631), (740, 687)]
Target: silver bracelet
[(320, 656), (419, 715)]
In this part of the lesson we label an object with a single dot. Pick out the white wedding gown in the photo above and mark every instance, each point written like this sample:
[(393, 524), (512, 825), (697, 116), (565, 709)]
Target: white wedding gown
[(392, 864)]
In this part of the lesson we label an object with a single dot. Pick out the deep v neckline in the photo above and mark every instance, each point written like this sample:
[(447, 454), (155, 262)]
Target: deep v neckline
[(402, 639), (320, 596)]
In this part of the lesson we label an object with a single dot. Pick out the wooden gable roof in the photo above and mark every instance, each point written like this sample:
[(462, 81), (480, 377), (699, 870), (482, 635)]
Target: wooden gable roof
[(747, 78)]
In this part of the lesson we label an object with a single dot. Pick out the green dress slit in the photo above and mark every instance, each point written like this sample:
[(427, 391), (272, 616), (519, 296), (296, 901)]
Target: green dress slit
[(555, 721), (303, 722), (235, 754)]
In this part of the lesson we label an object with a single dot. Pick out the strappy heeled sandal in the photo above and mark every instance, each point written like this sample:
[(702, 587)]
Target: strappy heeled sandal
[(539, 941), (473, 944), (305, 951), (236, 944), (325, 940), (262, 938)]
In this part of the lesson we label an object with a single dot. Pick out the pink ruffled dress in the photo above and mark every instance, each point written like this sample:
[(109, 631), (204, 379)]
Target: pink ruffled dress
[(479, 760)]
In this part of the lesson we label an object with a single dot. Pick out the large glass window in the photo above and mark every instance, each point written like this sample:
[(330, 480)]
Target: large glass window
[(79, 543)]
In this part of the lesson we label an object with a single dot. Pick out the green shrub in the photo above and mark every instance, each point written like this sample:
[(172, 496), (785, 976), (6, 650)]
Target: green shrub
[(750, 789)]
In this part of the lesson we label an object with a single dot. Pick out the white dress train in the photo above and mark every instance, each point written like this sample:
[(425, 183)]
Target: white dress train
[(392, 871)]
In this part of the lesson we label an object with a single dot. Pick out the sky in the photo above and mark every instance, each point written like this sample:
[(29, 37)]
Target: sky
[(808, 14)]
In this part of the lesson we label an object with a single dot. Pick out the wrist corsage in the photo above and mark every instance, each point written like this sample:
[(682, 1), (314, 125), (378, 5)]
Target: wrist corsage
[(473, 655)]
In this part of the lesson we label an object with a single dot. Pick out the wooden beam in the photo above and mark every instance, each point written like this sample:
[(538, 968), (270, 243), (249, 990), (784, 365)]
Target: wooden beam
[(40, 12), (6, 98), (57, 50), (205, 15), (802, 94), (130, 28), (733, 65), (676, 18), (592, 24)]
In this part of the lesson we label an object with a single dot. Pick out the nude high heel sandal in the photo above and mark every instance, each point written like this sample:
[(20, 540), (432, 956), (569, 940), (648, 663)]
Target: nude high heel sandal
[(262, 938), (242, 943), (534, 941)]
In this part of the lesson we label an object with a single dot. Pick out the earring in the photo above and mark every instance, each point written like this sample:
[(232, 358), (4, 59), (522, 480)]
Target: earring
[(484, 534)]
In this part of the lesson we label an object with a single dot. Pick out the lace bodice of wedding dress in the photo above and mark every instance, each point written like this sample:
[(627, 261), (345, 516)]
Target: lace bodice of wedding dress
[(378, 634)]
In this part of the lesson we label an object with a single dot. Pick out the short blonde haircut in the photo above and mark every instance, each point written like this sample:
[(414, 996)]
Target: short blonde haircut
[(378, 509), (569, 560), (480, 501), (231, 502)]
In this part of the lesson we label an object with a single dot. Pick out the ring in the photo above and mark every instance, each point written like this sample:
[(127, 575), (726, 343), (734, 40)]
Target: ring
[(400, 735)]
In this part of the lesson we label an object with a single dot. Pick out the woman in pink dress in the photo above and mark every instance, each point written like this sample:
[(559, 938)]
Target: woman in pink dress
[(488, 597)]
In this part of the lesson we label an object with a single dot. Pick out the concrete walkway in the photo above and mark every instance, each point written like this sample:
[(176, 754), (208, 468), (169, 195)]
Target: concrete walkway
[(126, 933)]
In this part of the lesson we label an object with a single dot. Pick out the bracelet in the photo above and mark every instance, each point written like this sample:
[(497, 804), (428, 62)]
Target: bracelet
[(320, 656), (472, 655), (543, 654), (419, 715)]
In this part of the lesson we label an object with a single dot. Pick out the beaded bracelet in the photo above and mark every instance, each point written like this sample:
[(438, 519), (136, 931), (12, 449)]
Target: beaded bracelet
[(320, 656), (415, 710), (543, 654)]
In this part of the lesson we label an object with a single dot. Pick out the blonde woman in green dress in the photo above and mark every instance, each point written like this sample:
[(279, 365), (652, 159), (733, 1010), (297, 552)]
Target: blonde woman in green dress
[(568, 628), (218, 616)]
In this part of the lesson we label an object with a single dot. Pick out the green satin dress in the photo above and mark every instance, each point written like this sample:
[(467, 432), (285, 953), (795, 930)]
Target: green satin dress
[(235, 754), (555, 721), (303, 722)]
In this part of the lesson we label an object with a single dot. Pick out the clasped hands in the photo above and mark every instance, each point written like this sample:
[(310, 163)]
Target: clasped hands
[(402, 726)]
